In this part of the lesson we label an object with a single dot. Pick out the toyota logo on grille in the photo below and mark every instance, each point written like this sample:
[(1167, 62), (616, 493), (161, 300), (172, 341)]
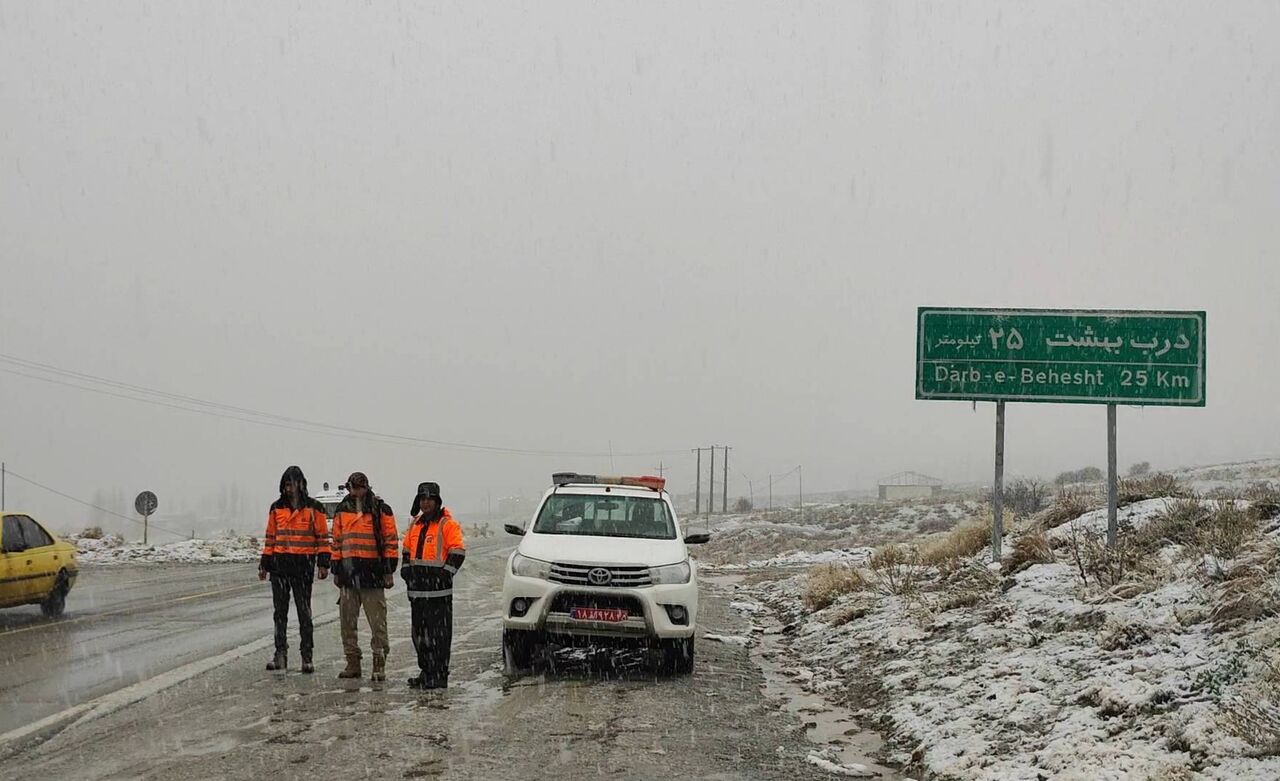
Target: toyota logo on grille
[(599, 576)]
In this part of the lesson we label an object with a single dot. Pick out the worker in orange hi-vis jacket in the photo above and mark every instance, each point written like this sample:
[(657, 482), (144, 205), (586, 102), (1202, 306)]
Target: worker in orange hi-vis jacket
[(295, 546), (364, 559), (433, 552)]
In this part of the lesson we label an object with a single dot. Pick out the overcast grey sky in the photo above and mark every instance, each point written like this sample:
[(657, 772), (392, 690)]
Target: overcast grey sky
[(645, 226)]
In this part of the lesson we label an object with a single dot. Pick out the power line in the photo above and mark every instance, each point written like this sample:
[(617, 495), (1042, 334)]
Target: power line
[(141, 394), (69, 497)]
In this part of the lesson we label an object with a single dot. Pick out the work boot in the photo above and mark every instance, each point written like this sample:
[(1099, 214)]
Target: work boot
[(379, 669), (278, 662), (353, 668), (307, 666), (417, 682)]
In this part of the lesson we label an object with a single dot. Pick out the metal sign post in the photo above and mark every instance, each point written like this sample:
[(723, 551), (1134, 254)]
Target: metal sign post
[(146, 504), (1111, 475), (1133, 357), (997, 489)]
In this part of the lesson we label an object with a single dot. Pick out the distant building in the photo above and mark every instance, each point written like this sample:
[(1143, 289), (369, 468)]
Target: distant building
[(909, 485)]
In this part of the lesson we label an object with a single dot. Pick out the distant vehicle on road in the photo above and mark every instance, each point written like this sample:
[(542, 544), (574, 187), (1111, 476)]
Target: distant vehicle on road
[(604, 559), (330, 498), (36, 568)]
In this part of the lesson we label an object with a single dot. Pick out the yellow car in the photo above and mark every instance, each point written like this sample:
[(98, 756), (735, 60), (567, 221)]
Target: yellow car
[(36, 568)]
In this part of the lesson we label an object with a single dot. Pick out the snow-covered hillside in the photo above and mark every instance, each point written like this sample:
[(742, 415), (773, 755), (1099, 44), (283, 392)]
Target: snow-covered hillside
[(1156, 659)]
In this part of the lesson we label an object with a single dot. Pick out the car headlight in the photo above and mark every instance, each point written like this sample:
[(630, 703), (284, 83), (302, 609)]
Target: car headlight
[(526, 567), (672, 573)]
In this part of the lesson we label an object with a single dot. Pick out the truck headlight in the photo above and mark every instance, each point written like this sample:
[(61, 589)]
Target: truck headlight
[(526, 567), (672, 573)]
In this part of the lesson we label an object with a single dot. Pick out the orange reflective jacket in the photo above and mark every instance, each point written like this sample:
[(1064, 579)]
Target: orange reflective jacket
[(429, 545), (296, 539), (432, 553), (357, 560)]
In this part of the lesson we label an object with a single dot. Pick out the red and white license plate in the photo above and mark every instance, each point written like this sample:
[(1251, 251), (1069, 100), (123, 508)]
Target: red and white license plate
[(611, 615)]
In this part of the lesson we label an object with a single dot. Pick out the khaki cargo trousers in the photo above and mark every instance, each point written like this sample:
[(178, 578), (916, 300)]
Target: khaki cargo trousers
[(374, 603)]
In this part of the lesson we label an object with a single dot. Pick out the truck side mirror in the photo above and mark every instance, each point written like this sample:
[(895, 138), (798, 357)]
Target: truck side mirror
[(513, 529), (697, 539)]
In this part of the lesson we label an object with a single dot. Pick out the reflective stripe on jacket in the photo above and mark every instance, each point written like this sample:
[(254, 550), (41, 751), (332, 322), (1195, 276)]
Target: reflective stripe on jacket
[(431, 555), (357, 560), (296, 539)]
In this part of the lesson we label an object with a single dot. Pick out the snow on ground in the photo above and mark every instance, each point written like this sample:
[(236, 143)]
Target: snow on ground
[(1135, 516), (756, 539), (1041, 677), (1230, 478), (1021, 687), (114, 550), (850, 556)]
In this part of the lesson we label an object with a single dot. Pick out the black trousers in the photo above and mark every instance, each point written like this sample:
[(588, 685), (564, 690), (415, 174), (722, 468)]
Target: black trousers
[(300, 587), (433, 636)]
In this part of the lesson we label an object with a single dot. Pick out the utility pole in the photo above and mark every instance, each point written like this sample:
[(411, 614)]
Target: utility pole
[(697, 496), (751, 491), (661, 470), (711, 495), (770, 493), (724, 499), (4, 478), (800, 473)]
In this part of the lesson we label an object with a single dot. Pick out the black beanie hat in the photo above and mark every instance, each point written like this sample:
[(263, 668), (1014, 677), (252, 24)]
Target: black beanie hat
[(428, 491)]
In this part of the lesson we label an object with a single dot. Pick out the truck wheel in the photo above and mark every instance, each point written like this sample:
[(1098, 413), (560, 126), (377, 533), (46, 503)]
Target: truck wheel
[(56, 602), (517, 651), (678, 656)]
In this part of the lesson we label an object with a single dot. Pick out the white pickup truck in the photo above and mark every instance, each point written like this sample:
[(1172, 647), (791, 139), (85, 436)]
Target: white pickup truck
[(603, 558)]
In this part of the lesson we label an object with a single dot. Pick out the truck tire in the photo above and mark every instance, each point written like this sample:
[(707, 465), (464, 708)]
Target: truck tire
[(56, 602), (678, 656), (517, 652)]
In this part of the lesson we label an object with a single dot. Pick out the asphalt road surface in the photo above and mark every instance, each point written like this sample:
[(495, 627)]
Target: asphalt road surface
[(158, 672)]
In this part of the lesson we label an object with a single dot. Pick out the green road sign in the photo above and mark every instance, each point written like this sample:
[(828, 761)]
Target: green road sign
[(1060, 355)]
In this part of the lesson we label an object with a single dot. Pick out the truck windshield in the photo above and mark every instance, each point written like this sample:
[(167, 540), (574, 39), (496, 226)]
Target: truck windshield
[(606, 516)]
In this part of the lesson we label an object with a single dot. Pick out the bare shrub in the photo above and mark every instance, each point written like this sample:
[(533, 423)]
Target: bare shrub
[(1177, 524), (92, 533), (1136, 489), (1068, 506), (1227, 531), (1107, 566), (967, 586), (963, 542), (1089, 474), (1243, 600), (1252, 713), (1026, 495), (1264, 500), (1027, 550), (895, 569), (850, 612), (1140, 469), (829, 582), (1119, 635), (934, 525)]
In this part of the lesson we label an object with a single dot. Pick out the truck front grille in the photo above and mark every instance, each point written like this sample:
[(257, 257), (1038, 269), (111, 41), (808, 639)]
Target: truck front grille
[(619, 577)]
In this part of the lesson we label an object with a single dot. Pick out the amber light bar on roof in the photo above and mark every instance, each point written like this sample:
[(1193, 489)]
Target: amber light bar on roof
[(644, 481)]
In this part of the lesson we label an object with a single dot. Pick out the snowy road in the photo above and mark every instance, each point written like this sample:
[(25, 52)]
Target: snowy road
[(237, 720), (124, 625)]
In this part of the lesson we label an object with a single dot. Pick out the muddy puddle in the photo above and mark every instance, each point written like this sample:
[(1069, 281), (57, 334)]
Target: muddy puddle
[(835, 734)]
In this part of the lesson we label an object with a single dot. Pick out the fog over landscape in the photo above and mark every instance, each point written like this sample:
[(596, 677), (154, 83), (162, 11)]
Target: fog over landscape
[(555, 232)]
